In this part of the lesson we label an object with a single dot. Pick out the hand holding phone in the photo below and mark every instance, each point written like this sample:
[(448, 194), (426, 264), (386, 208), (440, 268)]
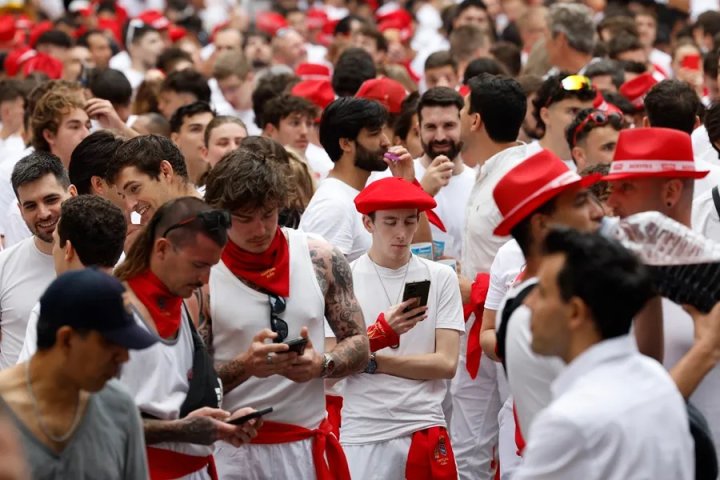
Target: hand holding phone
[(297, 345), (250, 416), (419, 290)]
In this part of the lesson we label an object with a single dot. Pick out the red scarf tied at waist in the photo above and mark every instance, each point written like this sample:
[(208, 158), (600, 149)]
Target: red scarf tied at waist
[(431, 456), (168, 465), (163, 306), (478, 294), (325, 444), (269, 270)]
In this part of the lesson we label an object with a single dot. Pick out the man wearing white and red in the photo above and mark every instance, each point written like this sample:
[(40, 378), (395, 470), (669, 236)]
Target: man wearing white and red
[(173, 382), (654, 169), (393, 421), (286, 284)]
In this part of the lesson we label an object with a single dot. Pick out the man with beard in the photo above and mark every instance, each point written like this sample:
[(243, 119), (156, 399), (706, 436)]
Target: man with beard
[(41, 184), (441, 169), (351, 132)]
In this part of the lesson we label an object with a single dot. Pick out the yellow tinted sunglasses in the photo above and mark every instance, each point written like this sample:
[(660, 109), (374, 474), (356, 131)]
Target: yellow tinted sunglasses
[(575, 82)]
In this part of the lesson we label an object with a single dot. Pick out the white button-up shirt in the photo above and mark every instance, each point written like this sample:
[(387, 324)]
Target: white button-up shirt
[(615, 415)]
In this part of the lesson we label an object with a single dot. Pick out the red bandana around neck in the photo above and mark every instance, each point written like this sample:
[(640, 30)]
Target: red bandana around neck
[(164, 307), (269, 270)]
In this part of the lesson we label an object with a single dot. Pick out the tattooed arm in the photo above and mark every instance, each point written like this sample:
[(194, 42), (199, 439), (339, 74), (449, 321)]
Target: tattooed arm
[(342, 310)]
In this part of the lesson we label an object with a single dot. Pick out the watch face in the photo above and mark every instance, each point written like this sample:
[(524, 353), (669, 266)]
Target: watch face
[(371, 367)]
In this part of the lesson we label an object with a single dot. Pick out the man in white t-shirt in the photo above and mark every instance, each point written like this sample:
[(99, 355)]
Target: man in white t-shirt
[(393, 426), (144, 45), (441, 170), (654, 170), (41, 185), (90, 233), (351, 131), (615, 414), (490, 122), (552, 195)]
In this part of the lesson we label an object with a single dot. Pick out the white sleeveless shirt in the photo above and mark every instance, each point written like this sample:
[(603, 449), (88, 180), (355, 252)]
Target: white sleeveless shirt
[(238, 313), (158, 379)]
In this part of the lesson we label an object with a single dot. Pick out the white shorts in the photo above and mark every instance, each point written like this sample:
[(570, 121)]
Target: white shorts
[(261, 462), (380, 460)]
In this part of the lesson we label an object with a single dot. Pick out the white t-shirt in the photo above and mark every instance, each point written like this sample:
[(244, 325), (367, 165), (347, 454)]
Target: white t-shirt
[(705, 218), (529, 374), (451, 201), (10, 148), (30, 342), (318, 160), (678, 333), (504, 272), (381, 407), (662, 60), (7, 194), (14, 227), (331, 213), (702, 148), (482, 216), (25, 273)]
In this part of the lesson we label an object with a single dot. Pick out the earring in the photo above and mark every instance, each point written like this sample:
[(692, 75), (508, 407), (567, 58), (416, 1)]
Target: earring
[(669, 204)]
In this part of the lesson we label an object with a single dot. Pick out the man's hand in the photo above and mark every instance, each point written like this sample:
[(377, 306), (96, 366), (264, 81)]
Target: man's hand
[(401, 321), (307, 366), (105, 114), (404, 167), (206, 426), (437, 175), (265, 359), (249, 429)]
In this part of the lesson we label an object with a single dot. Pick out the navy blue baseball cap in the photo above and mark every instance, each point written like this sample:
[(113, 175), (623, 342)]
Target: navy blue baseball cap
[(92, 300)]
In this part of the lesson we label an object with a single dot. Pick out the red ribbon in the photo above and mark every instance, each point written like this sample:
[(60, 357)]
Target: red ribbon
[(325, 445), (167, 465), (163, 306), (431, 456), (269, 270), (381, 334), (432, 217), (478, 294)]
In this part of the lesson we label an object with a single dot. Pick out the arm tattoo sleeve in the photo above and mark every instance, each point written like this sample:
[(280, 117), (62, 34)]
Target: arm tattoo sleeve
[(200, 430), (343, 314)]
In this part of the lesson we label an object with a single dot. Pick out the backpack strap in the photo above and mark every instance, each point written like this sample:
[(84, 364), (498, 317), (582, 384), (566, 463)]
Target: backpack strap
[(510, 306)]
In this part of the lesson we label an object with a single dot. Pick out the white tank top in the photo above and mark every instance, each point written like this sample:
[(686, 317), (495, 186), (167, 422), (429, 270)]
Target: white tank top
[(238, 313), (158, 379)]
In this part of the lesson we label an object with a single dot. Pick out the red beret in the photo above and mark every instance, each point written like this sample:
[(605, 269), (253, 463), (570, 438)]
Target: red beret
[(319, 92), (393, 194), (155, 19), (636, 89), (384, 90)]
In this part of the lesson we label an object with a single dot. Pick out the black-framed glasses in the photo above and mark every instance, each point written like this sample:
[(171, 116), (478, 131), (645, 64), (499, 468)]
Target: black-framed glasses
[(598, 119), (277, 324), (214, 222)]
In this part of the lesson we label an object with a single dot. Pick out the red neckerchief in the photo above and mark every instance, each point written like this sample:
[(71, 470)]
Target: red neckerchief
[(269, 270), (164, 307)]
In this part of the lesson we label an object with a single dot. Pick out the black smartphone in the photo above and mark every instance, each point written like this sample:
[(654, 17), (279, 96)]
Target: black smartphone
[(250, 416), (297, 345), (419, 290)]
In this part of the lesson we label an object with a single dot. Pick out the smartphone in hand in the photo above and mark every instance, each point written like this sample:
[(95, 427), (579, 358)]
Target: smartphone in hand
[(297, 345), (250, 416), (419, 290)]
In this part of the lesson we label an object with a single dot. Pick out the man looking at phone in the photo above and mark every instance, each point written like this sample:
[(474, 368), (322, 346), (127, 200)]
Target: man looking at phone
[(173, 382), (393, 422), (274, 285)]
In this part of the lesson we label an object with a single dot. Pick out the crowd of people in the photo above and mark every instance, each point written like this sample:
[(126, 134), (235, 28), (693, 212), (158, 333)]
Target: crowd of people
[(350, 239)]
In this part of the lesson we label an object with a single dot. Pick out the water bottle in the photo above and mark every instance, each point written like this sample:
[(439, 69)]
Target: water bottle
[(685, 265)]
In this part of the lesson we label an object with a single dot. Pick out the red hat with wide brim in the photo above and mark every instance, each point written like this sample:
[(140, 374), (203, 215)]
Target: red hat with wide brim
[(393, 194), (653, 152), (525, 188)]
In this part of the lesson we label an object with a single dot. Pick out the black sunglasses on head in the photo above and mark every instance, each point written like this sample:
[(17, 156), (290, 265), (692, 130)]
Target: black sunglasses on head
[(214, 222)]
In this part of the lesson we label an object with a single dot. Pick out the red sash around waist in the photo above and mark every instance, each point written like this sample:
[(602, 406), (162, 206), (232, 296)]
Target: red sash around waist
[(168, 465), (430, 456), (325, 445)]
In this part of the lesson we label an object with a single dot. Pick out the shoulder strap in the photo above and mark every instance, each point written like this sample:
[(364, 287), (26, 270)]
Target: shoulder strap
[(510, 306), (716, 199)]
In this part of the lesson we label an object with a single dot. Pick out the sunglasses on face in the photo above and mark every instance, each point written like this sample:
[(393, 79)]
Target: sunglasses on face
[(598, 119), (277, 324), (215, 223)]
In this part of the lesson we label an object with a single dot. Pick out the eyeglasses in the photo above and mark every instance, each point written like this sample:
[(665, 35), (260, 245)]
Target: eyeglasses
[(574, 83), (277, 324), (214, 222), (598, 119)]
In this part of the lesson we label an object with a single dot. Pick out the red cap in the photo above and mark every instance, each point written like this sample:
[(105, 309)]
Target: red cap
[(384, 90), (110, 25), (38, 29), (653, 152), (393, 194), (316, 18), (44, 63), (155, 19), (7, 28), (319, 92), (16, 58), (270, 22), (176, 33), (636, 89), (312, 71), (529, 185), (399, 20)]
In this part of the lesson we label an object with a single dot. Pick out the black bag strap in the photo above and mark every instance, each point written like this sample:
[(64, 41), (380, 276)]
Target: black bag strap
[(716, 199), (510, 306)]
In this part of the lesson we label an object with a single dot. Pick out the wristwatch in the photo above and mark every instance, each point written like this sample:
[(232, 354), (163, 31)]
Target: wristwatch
[(328, 365), (372, 364)]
